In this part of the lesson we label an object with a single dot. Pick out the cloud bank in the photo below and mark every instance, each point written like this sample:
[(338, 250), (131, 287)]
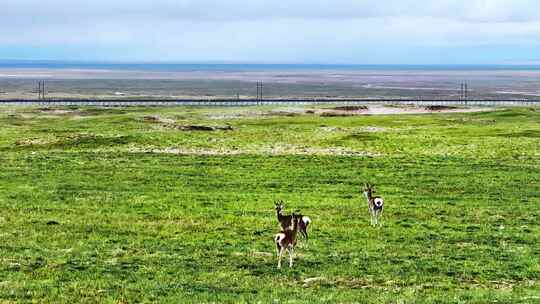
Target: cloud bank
[(330, 31)]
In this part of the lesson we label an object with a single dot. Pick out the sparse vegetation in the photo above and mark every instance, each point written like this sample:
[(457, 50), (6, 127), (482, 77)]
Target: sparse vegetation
[(105, 206)]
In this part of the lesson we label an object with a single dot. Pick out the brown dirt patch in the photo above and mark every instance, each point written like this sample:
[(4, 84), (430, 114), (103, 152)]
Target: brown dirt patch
[(348, 111), (336, 114), (202, 128), (171, 124), (351, 108), (440, 108)]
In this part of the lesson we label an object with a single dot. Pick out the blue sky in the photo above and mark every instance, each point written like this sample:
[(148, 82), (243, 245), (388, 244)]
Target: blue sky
[(270, 31)]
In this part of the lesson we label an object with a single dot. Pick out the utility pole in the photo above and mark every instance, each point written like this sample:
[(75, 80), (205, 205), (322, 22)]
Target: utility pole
[(41, 89), (464, 91), (259, 90)]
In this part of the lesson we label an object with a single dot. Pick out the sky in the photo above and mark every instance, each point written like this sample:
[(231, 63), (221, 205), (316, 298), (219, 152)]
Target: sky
[(273, 31)]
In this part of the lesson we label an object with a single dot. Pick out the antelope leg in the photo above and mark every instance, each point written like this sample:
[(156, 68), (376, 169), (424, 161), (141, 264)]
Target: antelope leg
[(291, 252)]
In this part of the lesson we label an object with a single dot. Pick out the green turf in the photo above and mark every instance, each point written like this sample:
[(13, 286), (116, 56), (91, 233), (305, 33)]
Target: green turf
[(90, 214)]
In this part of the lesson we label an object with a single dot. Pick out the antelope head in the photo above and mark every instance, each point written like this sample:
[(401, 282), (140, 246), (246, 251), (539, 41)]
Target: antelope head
[(368, 190), (279, 206)]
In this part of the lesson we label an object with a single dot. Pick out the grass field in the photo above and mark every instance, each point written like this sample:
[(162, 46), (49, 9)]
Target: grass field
[(126, 205)]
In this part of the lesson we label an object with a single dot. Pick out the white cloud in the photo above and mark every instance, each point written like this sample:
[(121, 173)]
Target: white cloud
[(269, 30), (60, 11)]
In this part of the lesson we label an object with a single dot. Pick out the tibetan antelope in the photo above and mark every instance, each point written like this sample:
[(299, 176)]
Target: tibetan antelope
[(375, 204), (286, 239), (285, 221)]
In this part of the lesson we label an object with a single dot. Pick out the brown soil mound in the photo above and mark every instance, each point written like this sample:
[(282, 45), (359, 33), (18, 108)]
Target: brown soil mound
[(440, 108), (46, 109), (351, 108), (202, 128), (169, 123), (336, 114)]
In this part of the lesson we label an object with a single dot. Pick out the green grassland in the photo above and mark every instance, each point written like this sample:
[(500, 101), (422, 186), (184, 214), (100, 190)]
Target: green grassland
[(122, 205)]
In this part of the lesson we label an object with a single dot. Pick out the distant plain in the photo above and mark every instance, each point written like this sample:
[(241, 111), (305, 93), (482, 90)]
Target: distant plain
[(295, 81)]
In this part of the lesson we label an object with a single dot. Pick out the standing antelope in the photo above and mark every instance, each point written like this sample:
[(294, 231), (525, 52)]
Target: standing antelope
[(375, 204), (285, 221), (286, 239)]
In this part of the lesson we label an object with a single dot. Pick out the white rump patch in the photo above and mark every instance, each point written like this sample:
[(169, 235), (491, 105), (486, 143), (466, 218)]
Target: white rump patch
[(378, 202), (306, 220), (279, 237)]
